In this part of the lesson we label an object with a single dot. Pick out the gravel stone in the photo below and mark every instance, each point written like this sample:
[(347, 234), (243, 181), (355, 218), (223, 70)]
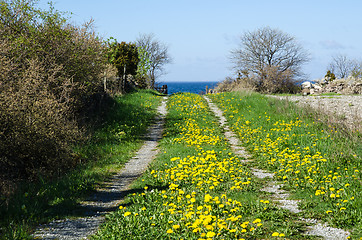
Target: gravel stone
[(261, 173), (234, 141), (326, 232)]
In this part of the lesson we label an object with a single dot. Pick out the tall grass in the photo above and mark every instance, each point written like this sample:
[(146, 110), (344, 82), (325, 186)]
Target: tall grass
[(114, 141)]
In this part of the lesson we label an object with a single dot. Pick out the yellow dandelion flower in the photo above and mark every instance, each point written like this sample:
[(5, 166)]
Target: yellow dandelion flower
[(207, 198), (257, 220), (196, 230), (127, 214)]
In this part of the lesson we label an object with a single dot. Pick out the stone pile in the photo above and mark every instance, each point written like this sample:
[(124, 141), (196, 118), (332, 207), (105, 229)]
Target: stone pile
[(348, 85)]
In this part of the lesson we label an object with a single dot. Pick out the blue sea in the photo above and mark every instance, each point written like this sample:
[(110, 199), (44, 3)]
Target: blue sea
[(192, 87)]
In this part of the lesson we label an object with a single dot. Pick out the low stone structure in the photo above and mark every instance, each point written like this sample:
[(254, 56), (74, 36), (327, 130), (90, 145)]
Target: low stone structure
[(344, 86), (348, 85)]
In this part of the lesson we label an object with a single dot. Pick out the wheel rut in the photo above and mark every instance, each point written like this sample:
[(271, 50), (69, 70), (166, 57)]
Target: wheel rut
[(281, 197), (109, 196)]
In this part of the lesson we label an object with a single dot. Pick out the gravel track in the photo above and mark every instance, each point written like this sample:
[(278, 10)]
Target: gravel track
[(109, 196), (234, 141), (280, 196)]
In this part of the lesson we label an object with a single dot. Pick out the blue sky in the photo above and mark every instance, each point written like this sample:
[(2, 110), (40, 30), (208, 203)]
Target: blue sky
[(200, 34)]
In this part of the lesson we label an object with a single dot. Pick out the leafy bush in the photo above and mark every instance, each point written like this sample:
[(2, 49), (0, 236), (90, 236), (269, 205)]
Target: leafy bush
[(50, 80), (124, 56), (277, 82)]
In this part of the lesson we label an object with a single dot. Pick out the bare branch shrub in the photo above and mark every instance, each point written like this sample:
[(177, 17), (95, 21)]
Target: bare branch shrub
[(158, 55), (342, 66), (269, 53)]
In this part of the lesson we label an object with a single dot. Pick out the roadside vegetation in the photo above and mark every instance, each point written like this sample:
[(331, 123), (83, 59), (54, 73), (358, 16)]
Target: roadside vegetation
[(114, 142), (319, 163), (69, 112), (49, 89), (56, 82), (197, 188)]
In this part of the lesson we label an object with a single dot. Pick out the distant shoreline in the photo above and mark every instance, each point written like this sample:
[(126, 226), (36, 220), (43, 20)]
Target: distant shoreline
[(192, 87)]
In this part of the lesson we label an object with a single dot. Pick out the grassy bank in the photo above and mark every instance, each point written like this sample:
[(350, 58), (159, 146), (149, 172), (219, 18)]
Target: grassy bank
[(320, 164), (196, 188), (114, 141)]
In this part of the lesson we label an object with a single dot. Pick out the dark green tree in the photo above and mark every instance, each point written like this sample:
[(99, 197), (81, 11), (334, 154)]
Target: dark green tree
[(124, 56), (330, 76)]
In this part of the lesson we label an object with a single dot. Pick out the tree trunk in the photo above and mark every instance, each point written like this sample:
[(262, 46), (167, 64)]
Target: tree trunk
[(105, 83), (124, 79)]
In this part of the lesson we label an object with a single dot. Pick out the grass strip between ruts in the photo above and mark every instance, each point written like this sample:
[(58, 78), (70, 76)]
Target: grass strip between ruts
[(196, 188)]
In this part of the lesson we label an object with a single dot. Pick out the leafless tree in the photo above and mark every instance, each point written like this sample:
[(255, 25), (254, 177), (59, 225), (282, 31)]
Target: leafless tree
[(342, 66), (157, 53), (265, 49), (356, 72)]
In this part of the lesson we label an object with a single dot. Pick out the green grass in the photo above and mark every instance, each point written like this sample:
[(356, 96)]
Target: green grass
[(195, 178), (330, 94), (317, 162), (287, 94), (114, 141), (196, 187)]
